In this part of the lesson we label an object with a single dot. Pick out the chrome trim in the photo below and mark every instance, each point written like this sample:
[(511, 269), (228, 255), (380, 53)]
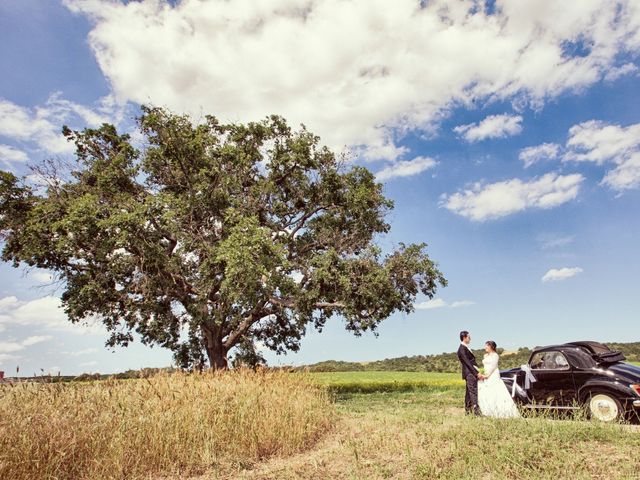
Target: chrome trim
[(552, 407)]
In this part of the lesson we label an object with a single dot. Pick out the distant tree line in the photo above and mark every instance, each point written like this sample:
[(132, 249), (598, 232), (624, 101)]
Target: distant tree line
[(447, 362)]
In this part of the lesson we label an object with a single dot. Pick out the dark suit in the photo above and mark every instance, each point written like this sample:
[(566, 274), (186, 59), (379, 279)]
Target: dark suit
[(470, 375)]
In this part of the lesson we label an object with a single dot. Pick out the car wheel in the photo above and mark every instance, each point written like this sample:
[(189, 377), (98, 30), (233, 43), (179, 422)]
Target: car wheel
[(604, 407)]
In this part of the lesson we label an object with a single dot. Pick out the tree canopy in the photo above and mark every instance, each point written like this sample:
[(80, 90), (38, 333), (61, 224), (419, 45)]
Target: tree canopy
[(212, 236)]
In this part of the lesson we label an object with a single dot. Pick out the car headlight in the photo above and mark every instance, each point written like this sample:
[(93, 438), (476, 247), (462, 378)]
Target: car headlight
[(636, 388)]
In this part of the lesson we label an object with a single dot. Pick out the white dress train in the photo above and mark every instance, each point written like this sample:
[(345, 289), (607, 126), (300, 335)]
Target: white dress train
[(494, 398)]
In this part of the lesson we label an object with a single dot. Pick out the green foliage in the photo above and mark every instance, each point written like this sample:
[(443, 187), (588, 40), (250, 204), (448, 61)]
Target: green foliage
[(448, 362), (630, 350), (212, 236)]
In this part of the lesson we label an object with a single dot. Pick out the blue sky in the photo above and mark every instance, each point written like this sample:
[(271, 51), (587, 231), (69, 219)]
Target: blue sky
[(508, 137)]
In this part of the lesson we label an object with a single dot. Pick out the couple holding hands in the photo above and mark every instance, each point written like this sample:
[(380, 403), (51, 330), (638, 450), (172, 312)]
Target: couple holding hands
[(486, 392)]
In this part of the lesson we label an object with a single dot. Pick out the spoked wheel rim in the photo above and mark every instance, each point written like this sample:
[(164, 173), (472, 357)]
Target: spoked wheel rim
[(604, 408)]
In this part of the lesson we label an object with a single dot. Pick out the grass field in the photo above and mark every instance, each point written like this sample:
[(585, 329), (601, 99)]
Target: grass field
[(364, 382), (423, 434), (380, 425), (172, 426)]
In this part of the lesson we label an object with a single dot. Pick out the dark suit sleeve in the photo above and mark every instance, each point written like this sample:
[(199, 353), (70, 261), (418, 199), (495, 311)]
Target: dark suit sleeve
[(466, 360)]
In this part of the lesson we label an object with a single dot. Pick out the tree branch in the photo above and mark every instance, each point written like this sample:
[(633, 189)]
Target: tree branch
[(252, 318)]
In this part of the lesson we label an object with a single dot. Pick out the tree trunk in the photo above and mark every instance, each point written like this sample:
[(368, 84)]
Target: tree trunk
[(216, 351), (217, 359)]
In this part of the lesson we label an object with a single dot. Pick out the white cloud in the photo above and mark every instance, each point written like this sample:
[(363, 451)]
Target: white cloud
[(626, 175), (16, 346), (617, 72), (41, 127), (429, 304), (85, 351), (20, 123), (10, 155), (462, 303), (46, 312), (601, 143), (550, 240), (88, 364), (406, 168), (440, 303), (545, 151), (8, 302), (5, 357), (8, 347), (494, 126), (35, 339), (361, 73), (495, 200), (556, 274)]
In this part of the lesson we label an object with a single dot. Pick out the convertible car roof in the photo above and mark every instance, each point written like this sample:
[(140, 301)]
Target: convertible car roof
[(593, 347), (598, 351)]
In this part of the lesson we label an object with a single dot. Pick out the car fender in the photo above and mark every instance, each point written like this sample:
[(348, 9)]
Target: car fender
[(618, 390)]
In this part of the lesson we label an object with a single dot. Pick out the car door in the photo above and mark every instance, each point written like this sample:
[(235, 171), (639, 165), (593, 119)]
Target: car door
[(554, 383)]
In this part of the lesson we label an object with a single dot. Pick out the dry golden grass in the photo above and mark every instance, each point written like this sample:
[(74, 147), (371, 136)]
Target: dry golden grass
[(425, 435), (166, 425)]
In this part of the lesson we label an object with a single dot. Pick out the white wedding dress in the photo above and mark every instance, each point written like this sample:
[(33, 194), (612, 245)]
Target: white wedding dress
[(494, 398)]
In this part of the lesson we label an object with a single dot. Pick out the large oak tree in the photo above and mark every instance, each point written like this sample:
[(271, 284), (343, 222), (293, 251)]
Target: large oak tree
[(212, 236)]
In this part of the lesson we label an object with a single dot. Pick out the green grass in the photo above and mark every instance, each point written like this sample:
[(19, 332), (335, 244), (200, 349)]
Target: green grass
[(369, 382)]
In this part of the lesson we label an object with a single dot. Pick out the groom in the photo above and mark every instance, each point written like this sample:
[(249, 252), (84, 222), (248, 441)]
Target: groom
[(470, 373)]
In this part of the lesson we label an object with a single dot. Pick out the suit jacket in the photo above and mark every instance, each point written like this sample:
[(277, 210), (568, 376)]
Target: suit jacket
[(468, 361)]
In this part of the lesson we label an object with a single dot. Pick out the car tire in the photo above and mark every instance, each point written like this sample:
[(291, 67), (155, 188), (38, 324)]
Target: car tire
[(603, 407)]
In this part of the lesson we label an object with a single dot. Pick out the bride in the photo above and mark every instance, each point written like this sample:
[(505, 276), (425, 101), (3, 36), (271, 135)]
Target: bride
[(494, 399)]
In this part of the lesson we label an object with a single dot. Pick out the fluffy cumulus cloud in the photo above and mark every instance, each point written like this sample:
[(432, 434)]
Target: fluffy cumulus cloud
[(45, 312), (617, 72), (6, 357), (440, 303), (602, 143), (545, 151), (626, 175), (40, 128), (10, 155), (8, 349), (494, 126), (484, 202), (360, 73), (556, 274), (406, 168)]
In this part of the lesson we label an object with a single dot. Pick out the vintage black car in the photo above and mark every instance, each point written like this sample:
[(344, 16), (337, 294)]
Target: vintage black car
[(577, 375)]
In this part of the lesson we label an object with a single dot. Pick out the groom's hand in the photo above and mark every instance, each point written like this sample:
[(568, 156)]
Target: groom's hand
[(480, 376)]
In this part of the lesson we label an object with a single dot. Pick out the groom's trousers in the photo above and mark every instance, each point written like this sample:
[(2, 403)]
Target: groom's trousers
[(471, 397)]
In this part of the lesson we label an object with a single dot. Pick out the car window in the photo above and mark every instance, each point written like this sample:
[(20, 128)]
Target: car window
[(549, 361)]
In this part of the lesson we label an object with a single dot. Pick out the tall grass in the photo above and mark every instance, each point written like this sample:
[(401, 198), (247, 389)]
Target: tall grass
[(424, 434), (179, 424)]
